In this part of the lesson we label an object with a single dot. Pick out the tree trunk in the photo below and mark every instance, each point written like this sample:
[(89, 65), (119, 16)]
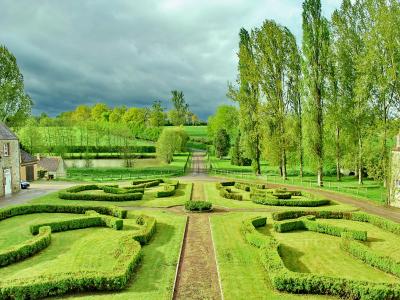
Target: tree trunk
[(284, 171), (338, 154), (360, 162), (319, 141)]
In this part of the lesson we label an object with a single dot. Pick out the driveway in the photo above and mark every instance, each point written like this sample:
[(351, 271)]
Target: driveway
[(37, 189)]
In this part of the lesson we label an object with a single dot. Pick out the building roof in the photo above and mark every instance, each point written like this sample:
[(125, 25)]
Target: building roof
[(49, 163), (27, 158), (6, 133)]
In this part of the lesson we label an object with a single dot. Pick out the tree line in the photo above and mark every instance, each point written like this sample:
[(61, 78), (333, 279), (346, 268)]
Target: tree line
[(331, 104)]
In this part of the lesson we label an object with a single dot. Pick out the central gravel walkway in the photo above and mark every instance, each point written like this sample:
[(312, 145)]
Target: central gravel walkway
[(197, 272)]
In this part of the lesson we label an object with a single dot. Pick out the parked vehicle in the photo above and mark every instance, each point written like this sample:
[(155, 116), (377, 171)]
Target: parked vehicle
[(24, 185)]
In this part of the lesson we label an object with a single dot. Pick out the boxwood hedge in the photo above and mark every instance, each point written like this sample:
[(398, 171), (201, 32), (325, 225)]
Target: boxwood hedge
[(198, 205), (61, 283), (293, 282), (73, 193)]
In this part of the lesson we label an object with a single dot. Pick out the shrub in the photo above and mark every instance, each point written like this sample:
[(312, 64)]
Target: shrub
[(148, 184), (242, 186), (268, 200), (148, 230), (25, 209), (118, 190), (292, 282), (73, 194), (283, 215), (250, 233), (364, 253), (27, 248), (169, 190), (282, 195), (224, 184), (198, 205), (227, 193), (61, 283)]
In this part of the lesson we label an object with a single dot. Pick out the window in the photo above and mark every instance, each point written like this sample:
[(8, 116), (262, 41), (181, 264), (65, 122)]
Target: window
[(6, 149)]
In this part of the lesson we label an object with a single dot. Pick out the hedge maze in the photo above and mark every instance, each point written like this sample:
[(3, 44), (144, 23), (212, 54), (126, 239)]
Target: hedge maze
[(158, 188), (260, 194), (352, 241), (57, 281)]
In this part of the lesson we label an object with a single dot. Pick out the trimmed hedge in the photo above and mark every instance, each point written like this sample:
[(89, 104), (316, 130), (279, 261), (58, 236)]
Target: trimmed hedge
[(62, 283), (365, 254), (269, 200), (282, 195), (108, 149), (124, 190), (309, 223), (73, 193), (304, 283), (294, 214), (227, 193), (17, 210), (148, 230), (198, 205), (169, 190), (242, 186), (92, 219), (224, 184), (250, 233), (148, 184), (26, 249)]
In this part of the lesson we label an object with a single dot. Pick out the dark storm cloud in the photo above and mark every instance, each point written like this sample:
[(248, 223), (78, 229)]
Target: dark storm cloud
[(133, 52)]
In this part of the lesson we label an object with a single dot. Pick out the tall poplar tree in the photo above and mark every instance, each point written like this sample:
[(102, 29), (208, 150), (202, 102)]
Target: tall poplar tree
[(278, 63), (248, 97), (315, 50)]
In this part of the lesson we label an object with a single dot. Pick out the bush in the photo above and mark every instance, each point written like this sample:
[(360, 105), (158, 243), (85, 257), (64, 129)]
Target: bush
[(283, 215), (61, 283), (92, 219), (169, 190), (148, 184), (224, 184), (26, 249), (73, 193), (125, 190), (148, 230), (25, 209), (269, 200), (198, 205), (364, 253), (242, 186), (227, 193), (304, 283), (282, 195)]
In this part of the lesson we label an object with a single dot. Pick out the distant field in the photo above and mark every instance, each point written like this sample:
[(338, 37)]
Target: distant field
[(196, 131)]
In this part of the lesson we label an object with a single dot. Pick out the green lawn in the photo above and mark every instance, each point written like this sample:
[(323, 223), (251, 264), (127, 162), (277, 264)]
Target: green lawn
[(242, 274), (196, 131), (97, 249), (149, 200), (212, 195), (156, 274)]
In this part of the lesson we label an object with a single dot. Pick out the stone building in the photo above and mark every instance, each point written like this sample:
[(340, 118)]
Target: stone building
[(9, 161), (29, 166), (53, 167)]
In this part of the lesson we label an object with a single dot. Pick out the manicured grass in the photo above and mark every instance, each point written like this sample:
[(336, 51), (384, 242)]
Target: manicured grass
[(91, 249), (149, 200), (156, 273), (212, 195), (242, 274), (196, 131)]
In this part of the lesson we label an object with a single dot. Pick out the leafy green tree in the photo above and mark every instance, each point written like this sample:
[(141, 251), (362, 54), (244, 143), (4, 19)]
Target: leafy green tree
[(222, 143), (98, 112), (237, 155), (178, 115), (31, 136), (248, 96), (135, 116), (117, 113), (226, 117), (157, 115), (15, 104), (168, 143), (315, 50), (277, 61)]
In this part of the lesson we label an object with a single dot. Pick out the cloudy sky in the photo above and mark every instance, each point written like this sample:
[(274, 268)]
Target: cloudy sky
[(133, 52)]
